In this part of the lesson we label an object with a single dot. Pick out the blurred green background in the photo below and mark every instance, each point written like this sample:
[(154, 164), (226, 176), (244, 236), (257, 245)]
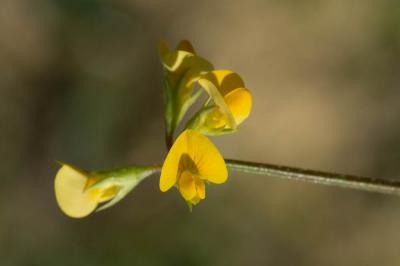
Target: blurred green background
[(80, 81)]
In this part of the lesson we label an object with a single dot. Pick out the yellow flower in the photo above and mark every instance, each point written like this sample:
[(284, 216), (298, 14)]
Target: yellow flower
[(192, 161), (183, 67), (183, 63), (70, 188), (79, 192), (232, 103)]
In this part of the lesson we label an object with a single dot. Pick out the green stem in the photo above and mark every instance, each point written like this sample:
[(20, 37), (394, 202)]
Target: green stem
[(169, 138), (332, 179), (385, 186)]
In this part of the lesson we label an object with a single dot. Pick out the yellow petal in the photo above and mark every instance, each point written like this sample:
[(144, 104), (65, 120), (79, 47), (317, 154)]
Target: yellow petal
[(195, 200), (108, 193), (215, 119), (163, 49), (172, 61), (201, 189), (169, 171), (207, 158), (239, 102), (218, 99), (69, 185), (187, 186), (193, 67), (225, 80), (183, 58), (185, 45), (209, 162)]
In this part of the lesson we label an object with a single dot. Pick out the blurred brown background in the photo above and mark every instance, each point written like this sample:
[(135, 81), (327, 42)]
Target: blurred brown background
[(80, 81)]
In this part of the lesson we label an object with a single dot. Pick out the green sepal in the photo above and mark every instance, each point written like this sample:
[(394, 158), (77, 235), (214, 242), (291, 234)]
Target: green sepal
[(190, 205), (188, 103), (198, 123), (198, 120), (177, 103), (179, 96), (125, 179), (171, 105), (172, 102)]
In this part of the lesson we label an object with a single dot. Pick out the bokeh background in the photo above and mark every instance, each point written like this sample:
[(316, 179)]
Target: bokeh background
[(80, 81)]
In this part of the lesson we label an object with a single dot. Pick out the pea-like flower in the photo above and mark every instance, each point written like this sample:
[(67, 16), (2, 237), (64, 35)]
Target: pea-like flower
[(230, 103), (79, 192), (192, 161), (182, 69)]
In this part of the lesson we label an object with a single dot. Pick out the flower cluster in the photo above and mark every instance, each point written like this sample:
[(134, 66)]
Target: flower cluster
[(192, 161)]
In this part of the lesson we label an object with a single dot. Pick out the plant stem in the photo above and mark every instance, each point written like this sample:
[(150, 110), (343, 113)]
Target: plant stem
[(168, 139), (347, 181)]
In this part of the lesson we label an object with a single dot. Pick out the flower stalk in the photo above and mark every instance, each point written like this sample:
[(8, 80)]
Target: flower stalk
[(377, 185), (384, 186)]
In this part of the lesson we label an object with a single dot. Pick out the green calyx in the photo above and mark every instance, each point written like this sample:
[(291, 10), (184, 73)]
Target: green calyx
[(125, 179)]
